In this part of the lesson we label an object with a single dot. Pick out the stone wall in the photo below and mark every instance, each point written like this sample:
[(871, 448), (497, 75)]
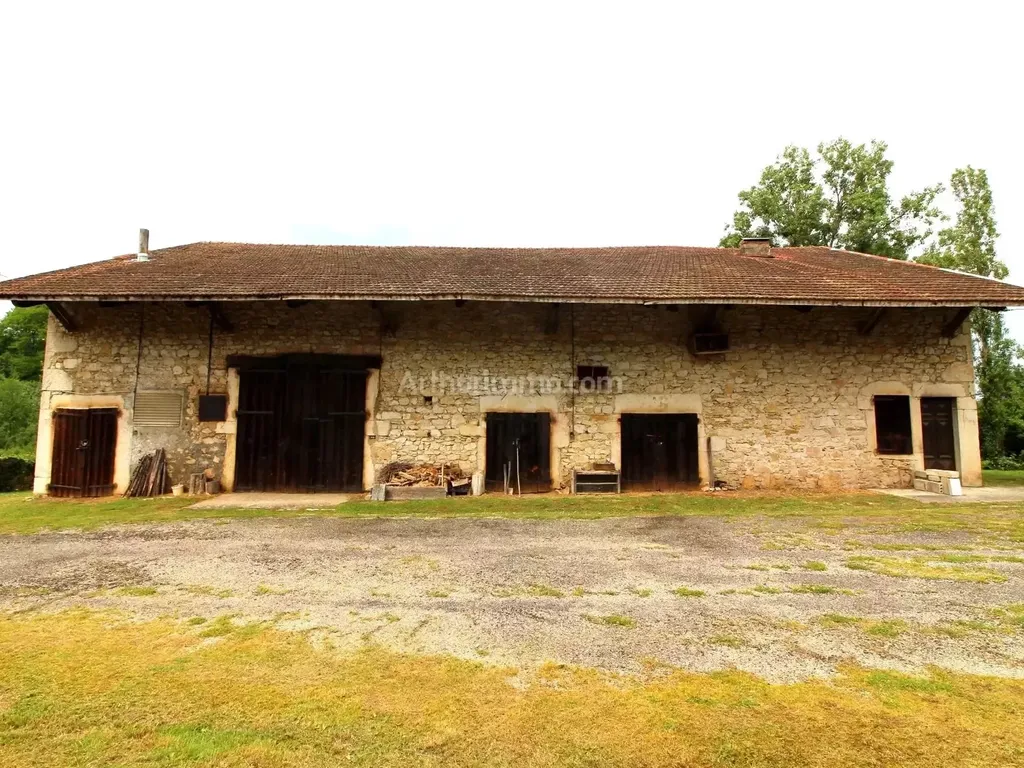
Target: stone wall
[(788, 406)]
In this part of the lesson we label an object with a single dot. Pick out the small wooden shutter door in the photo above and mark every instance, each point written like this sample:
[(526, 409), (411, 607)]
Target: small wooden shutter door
[(84, 442), (659, 451), (521, 443)]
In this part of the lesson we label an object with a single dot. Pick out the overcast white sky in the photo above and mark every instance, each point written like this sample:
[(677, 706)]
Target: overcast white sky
[(474, 124)]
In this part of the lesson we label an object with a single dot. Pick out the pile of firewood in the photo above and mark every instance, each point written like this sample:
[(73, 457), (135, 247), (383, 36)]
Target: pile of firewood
[(150, 476), (418, 475)]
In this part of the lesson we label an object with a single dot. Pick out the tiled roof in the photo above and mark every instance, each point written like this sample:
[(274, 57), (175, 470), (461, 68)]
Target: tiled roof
[(233, 271)]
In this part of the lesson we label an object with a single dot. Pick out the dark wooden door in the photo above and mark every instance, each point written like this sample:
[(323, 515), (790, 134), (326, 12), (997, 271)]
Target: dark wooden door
[(300, 428), (84, 443), (519, 444), (659, 451), (259, 444), (938, 432)]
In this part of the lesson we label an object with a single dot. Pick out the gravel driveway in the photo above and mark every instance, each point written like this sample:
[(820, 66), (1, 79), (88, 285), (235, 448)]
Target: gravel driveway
[(521, 592)]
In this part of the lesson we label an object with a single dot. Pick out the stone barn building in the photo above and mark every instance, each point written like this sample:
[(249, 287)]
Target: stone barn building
[(288, 367)]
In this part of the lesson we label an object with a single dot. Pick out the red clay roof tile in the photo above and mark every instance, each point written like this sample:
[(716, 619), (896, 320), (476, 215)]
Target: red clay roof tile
[(235, 271)]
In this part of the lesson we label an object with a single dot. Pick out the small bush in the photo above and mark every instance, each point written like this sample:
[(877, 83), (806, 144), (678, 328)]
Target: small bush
[(1010, 463), (16, 474)]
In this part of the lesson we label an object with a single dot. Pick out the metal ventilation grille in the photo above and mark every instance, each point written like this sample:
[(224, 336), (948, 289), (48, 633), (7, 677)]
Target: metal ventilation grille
[(158, 409)]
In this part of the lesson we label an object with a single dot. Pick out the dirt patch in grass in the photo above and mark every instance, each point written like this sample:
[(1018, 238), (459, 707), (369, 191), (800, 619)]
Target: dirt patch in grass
[(688, 592), (611, 620), (517, 588), (810, 512), (137, 591), (82, 690), (923, 568), (208, 591)]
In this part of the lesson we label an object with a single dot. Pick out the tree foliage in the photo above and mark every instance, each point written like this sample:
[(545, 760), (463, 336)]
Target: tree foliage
[(1001, 384), (839, 199), (19, 411), (22, 341), (969, 245)]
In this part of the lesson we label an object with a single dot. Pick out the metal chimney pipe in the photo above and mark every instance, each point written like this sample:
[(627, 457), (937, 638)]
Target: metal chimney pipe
[(143, 254)]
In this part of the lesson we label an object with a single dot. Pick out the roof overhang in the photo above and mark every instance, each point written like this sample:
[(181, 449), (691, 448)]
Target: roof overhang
[(30, 300)]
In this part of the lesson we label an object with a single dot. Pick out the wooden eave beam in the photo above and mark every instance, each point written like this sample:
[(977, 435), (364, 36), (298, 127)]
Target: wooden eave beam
[(868, 326), (219, 318), (951, 328), (64, 317), (707, 318), (551, 319)]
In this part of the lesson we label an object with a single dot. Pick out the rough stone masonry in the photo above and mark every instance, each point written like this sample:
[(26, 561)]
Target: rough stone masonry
[(789, 405)]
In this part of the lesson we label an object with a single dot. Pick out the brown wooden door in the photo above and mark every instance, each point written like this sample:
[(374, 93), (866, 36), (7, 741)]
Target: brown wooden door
[(519, 445), (84, 443), (938, 432), (659, 451), (300, 428)]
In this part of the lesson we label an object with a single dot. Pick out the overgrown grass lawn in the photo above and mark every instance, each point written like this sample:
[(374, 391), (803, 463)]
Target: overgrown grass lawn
[(81, 689), (828, 513), (1003, 477)]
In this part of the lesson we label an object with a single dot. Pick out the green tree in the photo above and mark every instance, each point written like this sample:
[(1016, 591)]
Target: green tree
[(1001, 385), (22, 341), (839, 199), (19, 411), (969, 245)]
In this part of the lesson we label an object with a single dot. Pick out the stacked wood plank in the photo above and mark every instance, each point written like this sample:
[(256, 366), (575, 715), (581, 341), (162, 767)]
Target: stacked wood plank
[(202, 482), (418, 475), (150, 475)]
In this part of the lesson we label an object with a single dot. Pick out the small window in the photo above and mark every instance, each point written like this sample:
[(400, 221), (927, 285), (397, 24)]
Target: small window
[(593, 378), (157, 409), (892, 425)]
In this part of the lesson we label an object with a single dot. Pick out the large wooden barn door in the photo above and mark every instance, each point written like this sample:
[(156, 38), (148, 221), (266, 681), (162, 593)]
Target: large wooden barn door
[(259, 441), (659, 451), (939, 435), (84, 443), (300, 428), (519, 444)]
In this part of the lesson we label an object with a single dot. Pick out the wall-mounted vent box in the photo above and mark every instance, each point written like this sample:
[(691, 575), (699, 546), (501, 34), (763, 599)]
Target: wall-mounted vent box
[(213, 407)]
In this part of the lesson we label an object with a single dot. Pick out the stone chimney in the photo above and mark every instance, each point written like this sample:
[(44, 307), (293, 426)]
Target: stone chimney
[(143, 254), (756, 246)]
